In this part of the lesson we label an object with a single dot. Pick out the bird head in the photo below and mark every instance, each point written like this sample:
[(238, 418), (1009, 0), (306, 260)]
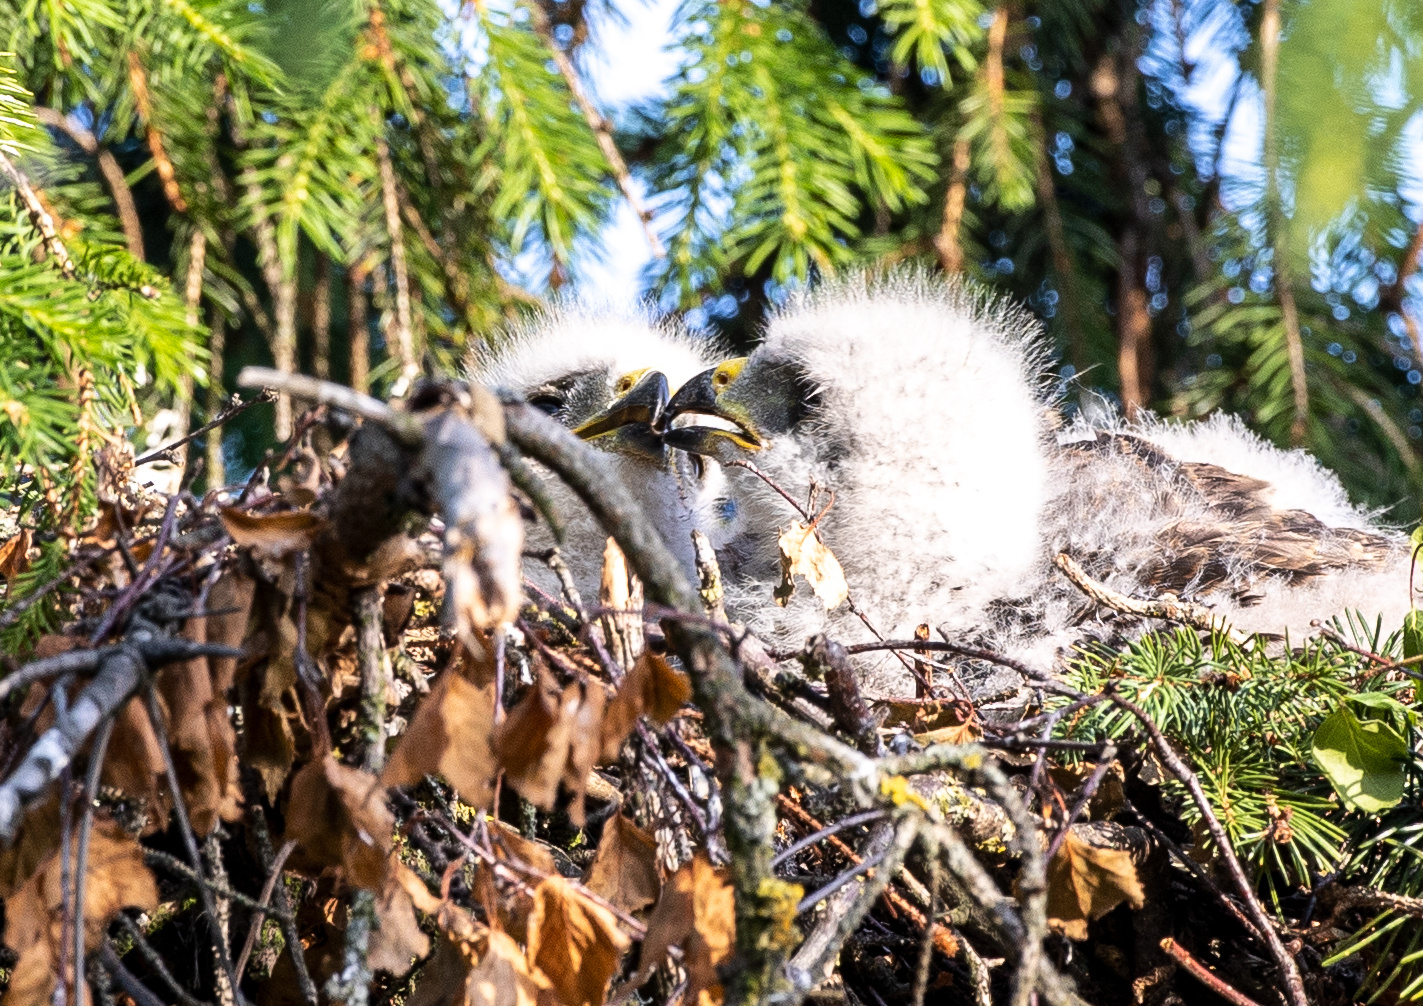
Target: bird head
[(602, 377), (736, 408)]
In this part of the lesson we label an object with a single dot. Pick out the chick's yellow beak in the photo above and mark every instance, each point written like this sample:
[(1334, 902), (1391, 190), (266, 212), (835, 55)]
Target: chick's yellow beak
[(712, 393), (626, 425)]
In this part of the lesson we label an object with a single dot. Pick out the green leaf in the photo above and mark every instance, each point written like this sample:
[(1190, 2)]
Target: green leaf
[(1363, 759), (1412, 634)]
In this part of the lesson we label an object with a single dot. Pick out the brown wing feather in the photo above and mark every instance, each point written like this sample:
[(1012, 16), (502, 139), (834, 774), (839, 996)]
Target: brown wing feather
[(1241, 537)]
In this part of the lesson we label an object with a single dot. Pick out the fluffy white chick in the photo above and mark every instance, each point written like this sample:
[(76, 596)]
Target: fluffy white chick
[(921, 406), (924, 407), (606, 377)]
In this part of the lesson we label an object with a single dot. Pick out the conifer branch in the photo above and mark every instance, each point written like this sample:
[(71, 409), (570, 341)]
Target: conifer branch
[(108, 167), (40, 216)]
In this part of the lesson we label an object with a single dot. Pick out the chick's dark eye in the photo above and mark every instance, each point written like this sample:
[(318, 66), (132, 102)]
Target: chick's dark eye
[(547, 404)]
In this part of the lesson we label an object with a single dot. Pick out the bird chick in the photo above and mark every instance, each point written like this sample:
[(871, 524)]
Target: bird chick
[(606, 378), (920, 406), (926, 409)]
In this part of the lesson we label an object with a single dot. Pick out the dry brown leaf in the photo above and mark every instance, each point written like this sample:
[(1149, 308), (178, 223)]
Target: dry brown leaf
[(503, 977), (338, 816), (450, 734), (203, 742), (653, 687), (804, 554), (15, 555), (134, 761), (442, 979), (624, 869), (398, 942), (115, 878), (552, 737), (574, 942), (272, 535), (230, 600), (959, 733), (697, 912), (1084, 883)]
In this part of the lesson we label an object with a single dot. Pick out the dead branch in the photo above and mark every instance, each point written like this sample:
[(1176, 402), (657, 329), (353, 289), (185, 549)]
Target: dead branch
[(234, 408), (1186, 613), (108, 167), (1204, 975), (119, 672)]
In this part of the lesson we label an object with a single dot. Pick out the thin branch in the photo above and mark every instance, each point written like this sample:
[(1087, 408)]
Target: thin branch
[(1202, 974), (235, 407), (108, 167), (1177, 767), (39, 216), (602, 129), (81, 854), (1195, 615), (947, 243), (1289, 314), (138, 81), (404, 339), (406, 428), (260, 915)]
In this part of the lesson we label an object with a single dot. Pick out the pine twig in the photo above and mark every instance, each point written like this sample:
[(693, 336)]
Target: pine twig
[(39, 216), (138, 81), (602, 129), (404, 338), (108, 167)]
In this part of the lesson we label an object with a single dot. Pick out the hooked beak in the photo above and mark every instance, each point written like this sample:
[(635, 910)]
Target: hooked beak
[(626, 426), (705, 395)]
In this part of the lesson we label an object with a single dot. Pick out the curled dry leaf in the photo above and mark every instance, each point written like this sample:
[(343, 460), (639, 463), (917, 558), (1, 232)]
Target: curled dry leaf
[(697, 912), (1084, 883), (574, 942), (115, 878), (450, 734), (624, 869), (552, 737), (15, 555), (398, 942), (653, 687), (272, 535), (804, 554), (338, 817), (501, 976)]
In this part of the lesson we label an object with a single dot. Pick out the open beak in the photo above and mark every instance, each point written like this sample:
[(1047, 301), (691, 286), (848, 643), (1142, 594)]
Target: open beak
[(705, 395), (626, 426)]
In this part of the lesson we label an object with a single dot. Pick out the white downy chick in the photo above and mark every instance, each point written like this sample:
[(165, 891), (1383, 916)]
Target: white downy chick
[(920, 405), (924, 407), (605, 376)]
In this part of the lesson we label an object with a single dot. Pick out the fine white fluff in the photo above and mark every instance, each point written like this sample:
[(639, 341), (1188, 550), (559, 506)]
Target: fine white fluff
[(580, 340), (934, 429), (931, 431), (1297, 480)]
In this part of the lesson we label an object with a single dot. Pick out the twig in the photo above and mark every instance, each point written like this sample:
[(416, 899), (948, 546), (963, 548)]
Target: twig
[(290, 935), (137, 991), (81, 855), (71, 662), (185, 828), (404, 338), (1293, 984), (234, 408), (155, 961), (708, 577), (108, 167), (404, 427), (1195, 615), (830, 829), (174, 865), (39, 216), (602, 130), (1204, 975), (1094, 780), (665, 770), (845, 912), (260, 914), (116, 680), (862, 867)]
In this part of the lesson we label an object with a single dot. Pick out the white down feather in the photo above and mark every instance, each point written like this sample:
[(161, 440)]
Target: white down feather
[(930, 429)]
